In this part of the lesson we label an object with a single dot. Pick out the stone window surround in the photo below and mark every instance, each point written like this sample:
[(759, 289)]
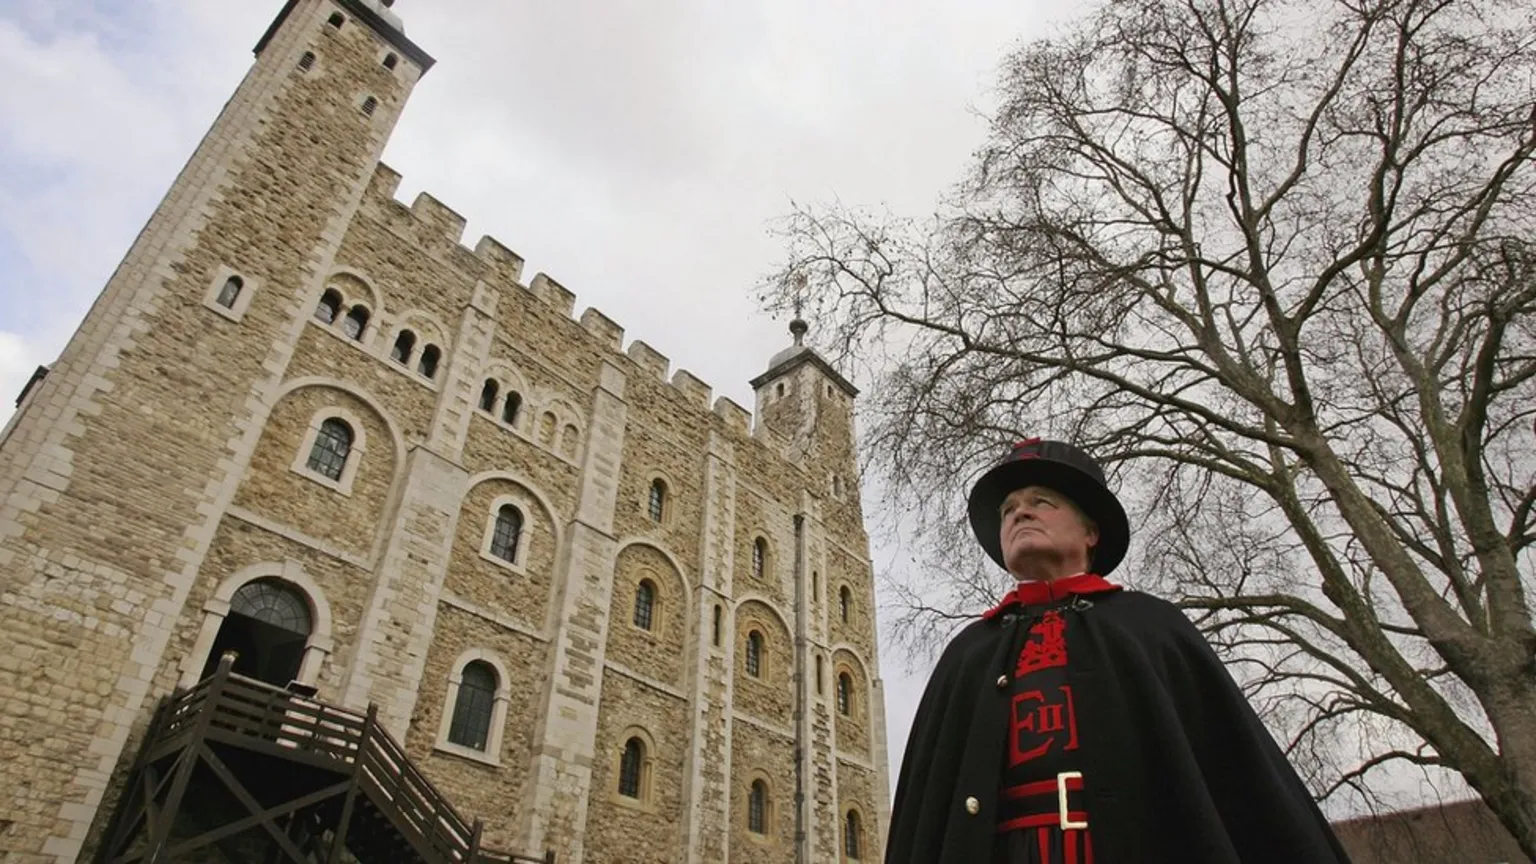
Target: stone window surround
[(842, 833), (519, 564), (668, 500), (753, 627), (658, 604), (844, 603), (845, 673), (248, 287), (768, 556), (355, 455), (857, 690), (768, 837), (373, 301), (491, 755), (317, 647), (647, 801)]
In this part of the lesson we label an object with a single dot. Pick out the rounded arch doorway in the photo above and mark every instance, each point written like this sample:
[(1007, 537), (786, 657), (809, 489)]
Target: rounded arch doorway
[(267, 628)]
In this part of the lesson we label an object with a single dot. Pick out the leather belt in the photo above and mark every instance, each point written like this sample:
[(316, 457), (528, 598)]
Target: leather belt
[(1064, 816)]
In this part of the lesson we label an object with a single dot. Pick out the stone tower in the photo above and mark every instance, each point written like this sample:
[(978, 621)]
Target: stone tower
[(303, 426)]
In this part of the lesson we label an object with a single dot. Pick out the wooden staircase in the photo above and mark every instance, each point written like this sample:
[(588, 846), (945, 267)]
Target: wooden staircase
[(236, 770)]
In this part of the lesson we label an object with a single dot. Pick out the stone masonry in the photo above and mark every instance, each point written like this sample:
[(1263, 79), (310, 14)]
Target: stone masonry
[(679, 633)]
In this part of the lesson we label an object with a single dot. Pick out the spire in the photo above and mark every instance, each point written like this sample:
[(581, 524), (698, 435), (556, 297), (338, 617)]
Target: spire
[(798, 328)]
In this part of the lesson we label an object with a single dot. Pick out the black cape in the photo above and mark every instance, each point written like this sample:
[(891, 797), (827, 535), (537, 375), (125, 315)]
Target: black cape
[(1176, 764)]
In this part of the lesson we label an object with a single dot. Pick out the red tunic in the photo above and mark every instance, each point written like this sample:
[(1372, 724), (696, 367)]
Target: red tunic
[(1042, 728)]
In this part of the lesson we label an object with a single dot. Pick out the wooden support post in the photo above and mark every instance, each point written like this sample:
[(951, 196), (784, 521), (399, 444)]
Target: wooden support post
[(474, 842), (160, 832), (339, 835)]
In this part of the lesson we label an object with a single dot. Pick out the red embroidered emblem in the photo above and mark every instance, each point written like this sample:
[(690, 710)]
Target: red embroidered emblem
[(1047, 645), (1036, 724)]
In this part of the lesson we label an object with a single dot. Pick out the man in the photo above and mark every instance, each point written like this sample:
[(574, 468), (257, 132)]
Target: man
[(1077, 722)]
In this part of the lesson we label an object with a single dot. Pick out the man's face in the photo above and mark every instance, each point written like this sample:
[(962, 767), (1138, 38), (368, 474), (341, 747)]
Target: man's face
[(1042, 526)]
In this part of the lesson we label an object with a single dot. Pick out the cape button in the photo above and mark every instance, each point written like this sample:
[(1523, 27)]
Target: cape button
[(972, 806), (1002, 681)]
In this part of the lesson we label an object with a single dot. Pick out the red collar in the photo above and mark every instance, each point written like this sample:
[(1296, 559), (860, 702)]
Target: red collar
[(1033, 593)]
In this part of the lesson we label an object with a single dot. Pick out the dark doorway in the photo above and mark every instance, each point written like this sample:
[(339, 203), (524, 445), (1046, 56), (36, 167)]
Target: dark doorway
[(267, 628)]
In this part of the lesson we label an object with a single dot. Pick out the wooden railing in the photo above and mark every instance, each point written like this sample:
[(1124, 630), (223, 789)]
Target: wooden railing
[(243, 708)]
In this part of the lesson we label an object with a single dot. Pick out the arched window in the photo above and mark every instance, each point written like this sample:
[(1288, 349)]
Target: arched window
[(472, 709), (369, 105), (645, 601), (272, 602), (630, 766), (508, 533), (427, 368), (844, 693), (329, 306), (390, 60), (818, 675), (488, 395), (547, 429), (355, 323), (511, 408), (267, 629), (336, 20), (851, 835), (755, 654), (405, 343), (307, 61), (844, 600), (757, 808), (568, 438), (230, 291), (658, 503), (759, 557), (717, 625), (332, 445)]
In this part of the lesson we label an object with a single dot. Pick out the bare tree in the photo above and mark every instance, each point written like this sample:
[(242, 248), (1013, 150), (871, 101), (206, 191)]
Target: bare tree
[(1275, 262)]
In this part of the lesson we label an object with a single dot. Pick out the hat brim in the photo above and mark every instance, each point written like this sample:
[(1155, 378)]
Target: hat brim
[(1097, 502)]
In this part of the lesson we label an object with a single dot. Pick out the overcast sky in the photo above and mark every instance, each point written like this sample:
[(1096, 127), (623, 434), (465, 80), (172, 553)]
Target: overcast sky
[(636, 151)]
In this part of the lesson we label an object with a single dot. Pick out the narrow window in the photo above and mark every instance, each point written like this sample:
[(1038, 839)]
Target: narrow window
[(369, 104), (717, 625), (818, 675), (779, 390), (547, 429), (336, 20), (844, 693), (757, 808), (390, 60), (645, 601), (472, 708), (330, 305), (488, 395), (508, 533), (658, 507), (355, 323), (230, 292), (815, 585), (759, 557), (405, 343), (427, 368), (511, 408), (307, 62), (844, 600), (332, 445), (629, 768), (755, 654), (568, 438), (851, 836)]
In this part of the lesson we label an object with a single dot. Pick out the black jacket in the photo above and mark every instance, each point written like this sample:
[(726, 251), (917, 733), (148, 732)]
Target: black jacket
[(1177, 766)]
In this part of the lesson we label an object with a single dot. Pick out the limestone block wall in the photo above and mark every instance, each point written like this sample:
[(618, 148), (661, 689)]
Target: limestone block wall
[(163, 464), (114, 478)]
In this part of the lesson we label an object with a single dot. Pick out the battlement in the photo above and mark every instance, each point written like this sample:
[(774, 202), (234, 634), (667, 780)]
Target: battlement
[(505, 270)]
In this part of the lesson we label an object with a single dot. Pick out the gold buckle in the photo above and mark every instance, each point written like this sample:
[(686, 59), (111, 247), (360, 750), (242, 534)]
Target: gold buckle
[(1061, 800)]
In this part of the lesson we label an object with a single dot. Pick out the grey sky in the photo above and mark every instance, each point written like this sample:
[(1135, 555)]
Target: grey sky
[(637, 152)]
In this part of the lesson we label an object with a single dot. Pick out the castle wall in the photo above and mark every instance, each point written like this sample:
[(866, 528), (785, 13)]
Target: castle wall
[(167, 460)]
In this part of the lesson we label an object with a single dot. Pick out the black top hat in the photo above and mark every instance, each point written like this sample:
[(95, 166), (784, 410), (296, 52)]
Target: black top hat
[(1064, 468)]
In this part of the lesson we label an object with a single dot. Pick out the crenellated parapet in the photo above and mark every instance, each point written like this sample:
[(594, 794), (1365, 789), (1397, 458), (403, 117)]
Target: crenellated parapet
[(491, 263)]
